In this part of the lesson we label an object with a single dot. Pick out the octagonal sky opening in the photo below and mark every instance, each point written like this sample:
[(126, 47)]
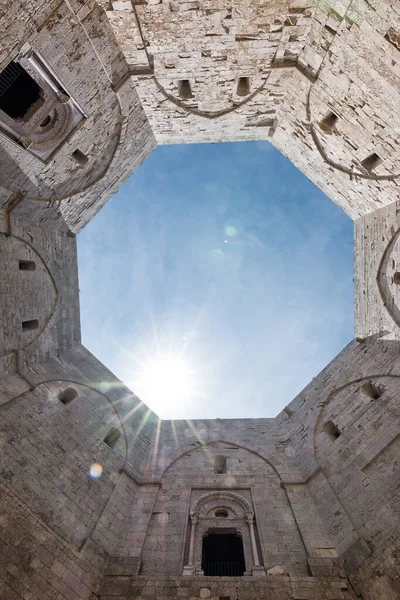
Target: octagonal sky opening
[(217, 282)]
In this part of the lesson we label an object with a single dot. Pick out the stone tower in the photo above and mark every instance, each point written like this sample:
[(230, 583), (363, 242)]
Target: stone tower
[(301, 507)]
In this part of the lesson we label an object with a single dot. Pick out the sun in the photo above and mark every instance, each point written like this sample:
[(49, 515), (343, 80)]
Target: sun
[(166, 381)]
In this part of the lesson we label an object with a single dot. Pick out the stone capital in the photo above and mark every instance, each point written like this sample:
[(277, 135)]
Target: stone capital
[(249, 516)]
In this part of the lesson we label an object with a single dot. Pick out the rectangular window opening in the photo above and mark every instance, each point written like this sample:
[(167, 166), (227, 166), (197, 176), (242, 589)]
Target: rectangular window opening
[(220, 464), (371, 162), (184, 89), (328, 123), (112, 437), (243, 87), (30, 325), (67, 395), (27, 265), (80, 157)]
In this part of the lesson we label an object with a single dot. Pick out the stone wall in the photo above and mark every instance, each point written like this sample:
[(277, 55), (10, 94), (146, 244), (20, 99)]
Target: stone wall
[(276, 588), (303, 60), (351, 472), (319, 484), (48, 294)]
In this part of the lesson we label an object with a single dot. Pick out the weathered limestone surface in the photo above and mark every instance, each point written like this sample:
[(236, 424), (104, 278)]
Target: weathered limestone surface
[(313, 493)]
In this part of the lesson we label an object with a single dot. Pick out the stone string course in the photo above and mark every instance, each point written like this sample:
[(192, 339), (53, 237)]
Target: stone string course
[(325, 505)]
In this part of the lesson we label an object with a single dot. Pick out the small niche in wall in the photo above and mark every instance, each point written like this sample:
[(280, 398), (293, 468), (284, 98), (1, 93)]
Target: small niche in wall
[(371, 390), (185, 89), (332, 430), (46, 121), (243, 86), (67, 395), (112, 438), (221, 513), (18, 91), (396, 278), (220, 464), (27, 265), (328, 123), (30, 325), (371, 162), (80, 157)]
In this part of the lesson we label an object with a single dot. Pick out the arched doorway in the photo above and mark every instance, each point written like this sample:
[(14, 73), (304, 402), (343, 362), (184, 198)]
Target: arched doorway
[(222, 537)]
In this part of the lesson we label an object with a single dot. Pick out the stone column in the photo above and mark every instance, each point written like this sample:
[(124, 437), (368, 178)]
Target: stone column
[(188, 569), (250, 521), (256, 569)]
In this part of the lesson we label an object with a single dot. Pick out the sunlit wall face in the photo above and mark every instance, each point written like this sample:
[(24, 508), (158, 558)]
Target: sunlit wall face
[(217, 282)]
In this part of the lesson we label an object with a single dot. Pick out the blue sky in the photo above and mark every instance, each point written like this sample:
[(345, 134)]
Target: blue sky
[(217, 282)]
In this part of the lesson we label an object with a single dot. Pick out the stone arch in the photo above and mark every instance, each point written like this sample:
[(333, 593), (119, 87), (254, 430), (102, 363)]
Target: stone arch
[(221, 495), (57, 445), (191, 476), (351, 171), (67, 383), (220, 441), (387, 291), (331, 396), (238, 521), (35, 298), (205, 113), (367, 449)]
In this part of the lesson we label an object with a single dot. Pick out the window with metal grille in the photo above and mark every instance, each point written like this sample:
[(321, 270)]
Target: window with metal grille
[(18, 91), (222, 555)]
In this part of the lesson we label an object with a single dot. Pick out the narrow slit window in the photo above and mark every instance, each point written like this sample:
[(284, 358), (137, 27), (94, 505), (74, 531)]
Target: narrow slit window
[(219, 464), (185, 89), (371, 390), (18, 91), (332, 430), (243, 86), (46, 121), (67, 395), (30, 325), (112, 438), (27, 265), (80, 157), (329, 122), (371, 162)]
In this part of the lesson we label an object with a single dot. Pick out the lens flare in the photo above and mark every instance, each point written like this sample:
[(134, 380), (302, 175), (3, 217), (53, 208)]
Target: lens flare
[(230, 230), (95, 470)]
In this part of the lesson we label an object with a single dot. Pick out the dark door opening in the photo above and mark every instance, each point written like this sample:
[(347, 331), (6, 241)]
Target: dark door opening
[(223, 555)]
